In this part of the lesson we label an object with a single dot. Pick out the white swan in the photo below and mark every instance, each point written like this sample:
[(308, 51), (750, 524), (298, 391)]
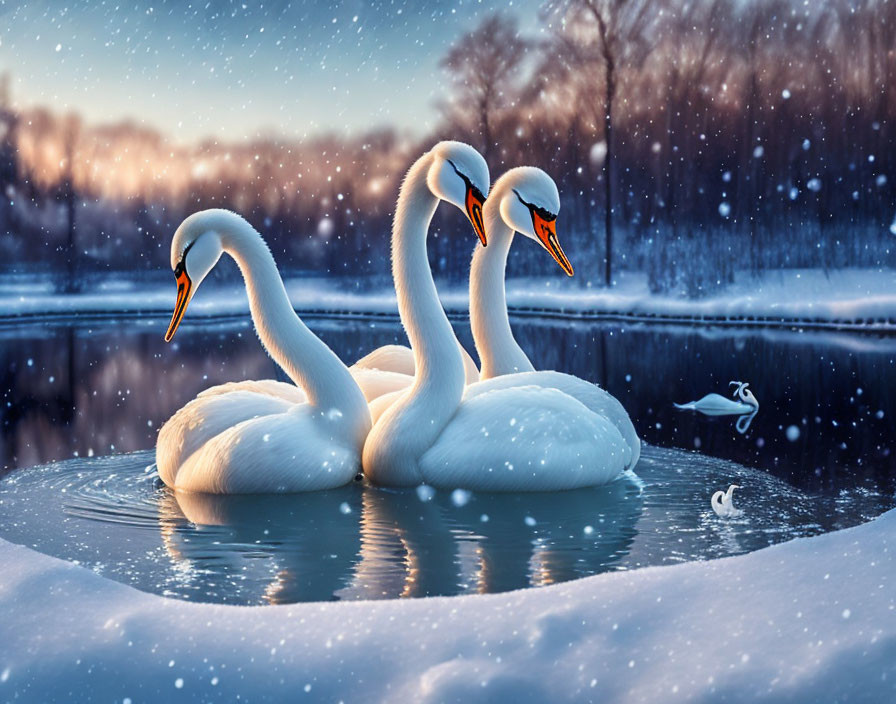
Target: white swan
[(525, 200), (716, 405), (514, 438), (242, 441), (722, 503)]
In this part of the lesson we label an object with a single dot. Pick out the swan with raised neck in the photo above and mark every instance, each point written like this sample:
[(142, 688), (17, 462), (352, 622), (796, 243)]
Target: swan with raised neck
[(430, 435), (524, 200)]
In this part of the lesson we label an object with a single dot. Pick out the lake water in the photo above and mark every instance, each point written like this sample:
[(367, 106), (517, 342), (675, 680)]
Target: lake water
[(80, 400)]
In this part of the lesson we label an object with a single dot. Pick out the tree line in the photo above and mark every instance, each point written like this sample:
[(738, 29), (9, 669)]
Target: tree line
[(690, 139)]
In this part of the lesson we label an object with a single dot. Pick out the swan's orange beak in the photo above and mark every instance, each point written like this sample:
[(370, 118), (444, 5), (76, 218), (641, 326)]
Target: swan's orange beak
[(184, 294), (547, 233), (475, 201)]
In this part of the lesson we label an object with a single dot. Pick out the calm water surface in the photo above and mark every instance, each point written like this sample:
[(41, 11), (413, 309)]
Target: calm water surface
[(817, 457)]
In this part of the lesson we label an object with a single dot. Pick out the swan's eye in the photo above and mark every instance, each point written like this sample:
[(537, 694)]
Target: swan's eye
[(182, 264), (544, 214), (467, 182)]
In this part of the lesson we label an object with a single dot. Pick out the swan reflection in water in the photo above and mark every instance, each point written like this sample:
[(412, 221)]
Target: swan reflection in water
[(275, 548), (361, 542)]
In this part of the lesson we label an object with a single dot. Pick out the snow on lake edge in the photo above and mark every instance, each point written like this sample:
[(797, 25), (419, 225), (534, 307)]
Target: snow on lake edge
[(813, 619), (847, 295)]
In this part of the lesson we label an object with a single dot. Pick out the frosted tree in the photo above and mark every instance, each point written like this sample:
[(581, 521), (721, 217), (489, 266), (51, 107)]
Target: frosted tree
[(484, 66), (70, 135), (613, 32)]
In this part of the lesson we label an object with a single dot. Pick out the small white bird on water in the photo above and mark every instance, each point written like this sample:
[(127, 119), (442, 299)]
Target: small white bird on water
[(722, 503), (744, 404)]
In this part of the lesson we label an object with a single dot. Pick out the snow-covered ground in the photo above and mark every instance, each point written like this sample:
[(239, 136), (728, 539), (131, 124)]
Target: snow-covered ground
[(812, 620), (844, 298)]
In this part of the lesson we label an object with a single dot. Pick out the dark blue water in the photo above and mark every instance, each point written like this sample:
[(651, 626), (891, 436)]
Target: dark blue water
[(817, 457), (106, 386)]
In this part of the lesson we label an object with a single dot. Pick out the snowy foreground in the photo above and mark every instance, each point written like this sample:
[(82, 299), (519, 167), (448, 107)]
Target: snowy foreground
[(845, 298), (812, 620)]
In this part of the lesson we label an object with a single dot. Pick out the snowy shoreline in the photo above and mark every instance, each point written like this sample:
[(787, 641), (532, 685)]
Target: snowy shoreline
[(813, 619), (847, 299)]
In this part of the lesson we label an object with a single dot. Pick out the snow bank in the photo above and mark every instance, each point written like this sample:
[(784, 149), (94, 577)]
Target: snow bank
[(810, 620), (845, 298)]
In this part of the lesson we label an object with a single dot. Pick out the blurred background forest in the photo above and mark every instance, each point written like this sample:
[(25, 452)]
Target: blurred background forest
[(692, 139)]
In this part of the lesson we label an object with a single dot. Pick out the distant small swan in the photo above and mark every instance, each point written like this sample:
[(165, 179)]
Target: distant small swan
[(722, 503), (718, 405)]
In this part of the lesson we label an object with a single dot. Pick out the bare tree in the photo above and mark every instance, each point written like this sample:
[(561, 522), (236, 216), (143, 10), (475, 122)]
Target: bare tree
[(70, 135), (615, 30), (484, 66), (9, 170)]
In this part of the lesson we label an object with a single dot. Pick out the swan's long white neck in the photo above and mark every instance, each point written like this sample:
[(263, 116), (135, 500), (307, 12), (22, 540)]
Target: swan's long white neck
[(498, 351), (411, 425), (312, 365), (440, 369)]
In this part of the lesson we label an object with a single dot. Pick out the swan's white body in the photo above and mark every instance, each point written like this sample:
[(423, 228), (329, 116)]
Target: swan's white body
[(501, 355), (513, 436), (722, 503), (261, 437), (717, 405)]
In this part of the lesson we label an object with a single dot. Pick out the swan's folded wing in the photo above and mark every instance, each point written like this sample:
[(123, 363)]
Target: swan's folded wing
[(381, 404), (269, 387), (400, 360), (375, 383), (590, 395), (525, 438), (289, 452), (388, 358), (202, 419)]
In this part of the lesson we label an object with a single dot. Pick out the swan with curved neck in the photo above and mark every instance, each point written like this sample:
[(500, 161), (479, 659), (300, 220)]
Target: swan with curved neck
[(521, 437), (515, 204), (525, 200), (241, 441), (722, 503)]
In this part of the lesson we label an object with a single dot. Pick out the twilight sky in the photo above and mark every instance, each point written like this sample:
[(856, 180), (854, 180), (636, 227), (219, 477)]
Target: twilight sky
[(232, 69)]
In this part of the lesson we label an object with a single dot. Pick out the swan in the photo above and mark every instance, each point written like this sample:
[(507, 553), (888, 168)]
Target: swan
[(520, 437), (525, 200), (722, 503), (237, 440), (743, 404)]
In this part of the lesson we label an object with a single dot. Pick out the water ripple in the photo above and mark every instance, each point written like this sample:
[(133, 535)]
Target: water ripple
[(112, 514)]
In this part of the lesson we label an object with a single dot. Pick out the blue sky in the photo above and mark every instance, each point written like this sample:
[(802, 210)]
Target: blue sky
[(236, 69)]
